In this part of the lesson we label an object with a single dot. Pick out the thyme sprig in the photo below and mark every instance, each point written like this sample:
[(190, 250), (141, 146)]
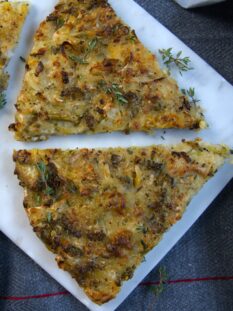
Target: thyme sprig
[(2, 100), (191, 94), (44, 174), (114, 89), (169, 59), (163, 280), (83, 59)]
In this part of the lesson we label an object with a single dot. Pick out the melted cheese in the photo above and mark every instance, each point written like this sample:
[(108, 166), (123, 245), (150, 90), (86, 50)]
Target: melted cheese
[(13, 15), (89, 73), (101, 211)]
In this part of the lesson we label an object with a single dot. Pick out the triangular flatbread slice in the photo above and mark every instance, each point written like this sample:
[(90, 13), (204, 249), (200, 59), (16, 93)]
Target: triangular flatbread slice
[(89, 73), (13, 15), (100, 211)]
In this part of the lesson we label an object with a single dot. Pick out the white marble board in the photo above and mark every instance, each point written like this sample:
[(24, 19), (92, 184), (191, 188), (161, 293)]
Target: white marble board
[(216, 96)]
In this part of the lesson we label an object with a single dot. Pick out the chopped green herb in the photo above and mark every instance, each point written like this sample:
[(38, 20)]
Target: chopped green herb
[(191, 94), (38, 199), (133, 38), (78, 59), (83, 59), (44, 174), (142, 228), (48, 191), (113, 89), (49, 217), (2, 100), (60, 22), (121, 99), (42, 169), (181, 63), (92, 44), (163, 280)]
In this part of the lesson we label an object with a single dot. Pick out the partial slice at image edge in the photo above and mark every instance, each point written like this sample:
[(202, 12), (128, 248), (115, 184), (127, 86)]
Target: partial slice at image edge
[(13, 15)]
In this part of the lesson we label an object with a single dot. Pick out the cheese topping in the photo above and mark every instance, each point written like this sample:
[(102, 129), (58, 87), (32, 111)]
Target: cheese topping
[(102, 210), (13, 15), (89, 73)]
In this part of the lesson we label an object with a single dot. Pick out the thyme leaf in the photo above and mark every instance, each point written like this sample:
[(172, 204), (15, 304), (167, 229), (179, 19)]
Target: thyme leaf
[(78, 59), (163, 280), (44, 174), (92, 44), (141, 228), (121, 99), (48, 190), (42, 169), (49, 217), (114, 89), (2, 100), (37, 199), (133, 39), (83, 59), (191, 94), (60, 22), (183, 64)]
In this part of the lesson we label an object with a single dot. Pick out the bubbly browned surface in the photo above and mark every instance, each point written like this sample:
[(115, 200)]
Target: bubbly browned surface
[(89, 73), (102, 210), (13, 15)]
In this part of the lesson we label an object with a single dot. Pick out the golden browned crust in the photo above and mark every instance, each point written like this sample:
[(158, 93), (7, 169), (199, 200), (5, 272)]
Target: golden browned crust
[(13, 15), (89, 73), (101, 211)]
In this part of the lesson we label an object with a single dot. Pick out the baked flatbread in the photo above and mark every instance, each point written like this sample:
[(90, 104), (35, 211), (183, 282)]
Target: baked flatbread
[(13, 15), (100, 211), (89, 73)]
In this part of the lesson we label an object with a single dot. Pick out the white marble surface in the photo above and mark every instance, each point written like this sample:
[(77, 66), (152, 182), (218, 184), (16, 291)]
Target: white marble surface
[(216, 96), (187, 4)]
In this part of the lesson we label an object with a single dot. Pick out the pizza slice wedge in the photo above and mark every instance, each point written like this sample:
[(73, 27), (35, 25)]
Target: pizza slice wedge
[(101, 210), (13, 15), (89, 73)]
